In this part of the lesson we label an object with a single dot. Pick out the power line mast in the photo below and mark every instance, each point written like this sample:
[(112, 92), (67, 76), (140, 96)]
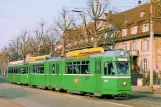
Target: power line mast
[(151, 45)]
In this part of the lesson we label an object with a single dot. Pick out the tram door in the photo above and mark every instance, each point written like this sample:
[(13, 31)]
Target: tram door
[(58, 76), (48, 74), (98, 75)]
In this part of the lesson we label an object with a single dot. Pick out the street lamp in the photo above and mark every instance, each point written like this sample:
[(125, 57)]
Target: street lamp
[(78, 11)]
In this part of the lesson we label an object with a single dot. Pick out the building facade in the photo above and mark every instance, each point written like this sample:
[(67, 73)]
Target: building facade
[(140, 35)]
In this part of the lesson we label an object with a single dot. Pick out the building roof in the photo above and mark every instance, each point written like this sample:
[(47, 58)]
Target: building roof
[(133, 17), (75, 38), (136, 17)]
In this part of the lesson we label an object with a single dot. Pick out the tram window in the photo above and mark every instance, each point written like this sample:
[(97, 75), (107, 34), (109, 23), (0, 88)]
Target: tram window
[(27, 70), (34, 70), (108, 69), (15, 70), (69, 68), (41, 69), (122, 68), (85, 67), (9, 70), (57, 68), (18, 70), (12, 71), (76, 69), (53, 69), (24, 70), (38, 69)]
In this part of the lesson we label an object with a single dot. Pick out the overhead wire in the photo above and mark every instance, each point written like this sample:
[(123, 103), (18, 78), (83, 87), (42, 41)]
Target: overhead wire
[(18, 19)]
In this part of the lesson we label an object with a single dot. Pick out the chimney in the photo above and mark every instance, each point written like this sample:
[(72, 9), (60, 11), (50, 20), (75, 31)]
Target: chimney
[(139, 2)]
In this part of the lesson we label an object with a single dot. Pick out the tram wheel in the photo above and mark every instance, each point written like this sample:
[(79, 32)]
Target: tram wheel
[(34, 86)]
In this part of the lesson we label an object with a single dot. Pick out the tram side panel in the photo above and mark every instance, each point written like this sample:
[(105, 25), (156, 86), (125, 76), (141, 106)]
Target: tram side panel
[(52, 78), (78, 75), (10, 73), (38, 74), (24, 76), (87, 80)]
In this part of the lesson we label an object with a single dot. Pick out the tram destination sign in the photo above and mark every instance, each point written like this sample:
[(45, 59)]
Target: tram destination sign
[(122, 59)]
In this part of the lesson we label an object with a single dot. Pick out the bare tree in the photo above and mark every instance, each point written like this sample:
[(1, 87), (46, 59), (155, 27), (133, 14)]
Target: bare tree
[(3, 61), (24, 45), (14, 49), (95, 33), (42, 40), (96, 10), (63, 23)]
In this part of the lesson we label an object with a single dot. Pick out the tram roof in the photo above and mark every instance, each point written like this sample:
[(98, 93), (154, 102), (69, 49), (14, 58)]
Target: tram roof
[(48, 60), (54, 59), (9, 65), (110, 53)]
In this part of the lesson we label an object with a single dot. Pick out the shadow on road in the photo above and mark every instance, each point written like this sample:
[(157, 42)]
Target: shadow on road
[(136, 97), (3, 79), (13, 91)]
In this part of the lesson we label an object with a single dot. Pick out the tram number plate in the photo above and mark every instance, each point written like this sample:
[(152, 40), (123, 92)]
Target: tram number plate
[(105, 80)]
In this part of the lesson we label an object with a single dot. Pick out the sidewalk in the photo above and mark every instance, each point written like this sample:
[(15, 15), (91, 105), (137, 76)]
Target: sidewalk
[(7, 103), (146, 89)]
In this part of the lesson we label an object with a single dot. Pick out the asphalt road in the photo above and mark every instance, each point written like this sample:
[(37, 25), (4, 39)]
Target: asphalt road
[(35, 97)]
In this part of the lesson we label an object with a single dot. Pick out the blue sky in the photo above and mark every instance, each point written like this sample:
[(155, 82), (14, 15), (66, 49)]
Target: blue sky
[(17, 15)]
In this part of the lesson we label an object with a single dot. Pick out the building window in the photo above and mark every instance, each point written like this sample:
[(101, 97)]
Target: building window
[(124, 32), (92, 38), (145, 45), (133, 46), (124, 46), (142, 14), (145, 27), (134, 30), (145, 64)]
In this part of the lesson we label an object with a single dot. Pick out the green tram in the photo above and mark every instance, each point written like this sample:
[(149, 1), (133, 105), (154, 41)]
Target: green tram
[(100, 74)]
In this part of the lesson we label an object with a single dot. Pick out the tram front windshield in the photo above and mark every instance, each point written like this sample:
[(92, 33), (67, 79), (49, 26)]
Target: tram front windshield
[(122, 68)]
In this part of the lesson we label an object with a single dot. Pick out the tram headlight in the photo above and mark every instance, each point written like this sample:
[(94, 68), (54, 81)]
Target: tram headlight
[(124, 83), (122, 52)]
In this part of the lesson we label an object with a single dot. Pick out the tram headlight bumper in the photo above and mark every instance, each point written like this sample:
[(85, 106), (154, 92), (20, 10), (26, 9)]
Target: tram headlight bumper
[(124, 83)]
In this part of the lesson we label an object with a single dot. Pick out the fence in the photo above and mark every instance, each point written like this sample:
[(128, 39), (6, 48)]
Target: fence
[(145, 78)]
